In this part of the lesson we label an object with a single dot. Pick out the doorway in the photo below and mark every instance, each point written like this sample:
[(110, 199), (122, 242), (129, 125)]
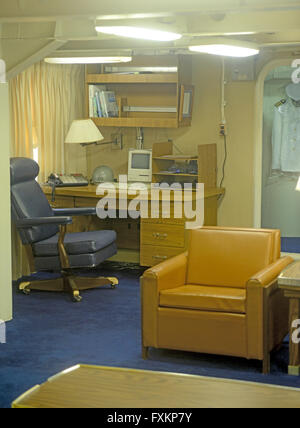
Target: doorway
[(280, 202)]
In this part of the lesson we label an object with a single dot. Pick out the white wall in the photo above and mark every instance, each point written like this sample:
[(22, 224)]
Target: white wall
[(5, 225)]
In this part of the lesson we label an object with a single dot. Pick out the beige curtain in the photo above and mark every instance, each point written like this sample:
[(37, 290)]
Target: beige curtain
[(44, 100)]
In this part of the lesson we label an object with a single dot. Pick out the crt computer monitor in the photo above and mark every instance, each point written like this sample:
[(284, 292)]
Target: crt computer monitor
[(140, 166)]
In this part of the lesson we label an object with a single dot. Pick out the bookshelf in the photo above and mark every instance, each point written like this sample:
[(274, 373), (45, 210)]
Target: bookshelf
[(164, 160), (145, 99)]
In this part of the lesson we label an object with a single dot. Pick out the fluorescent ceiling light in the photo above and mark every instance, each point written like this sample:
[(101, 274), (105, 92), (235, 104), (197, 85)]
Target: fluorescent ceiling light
[(246, 33), (88, 60), (140, 33), (227, 47), (225, 50)]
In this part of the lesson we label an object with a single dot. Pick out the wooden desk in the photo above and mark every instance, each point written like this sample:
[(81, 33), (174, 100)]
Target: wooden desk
[(146, 241), (104, 387), (289, 281)]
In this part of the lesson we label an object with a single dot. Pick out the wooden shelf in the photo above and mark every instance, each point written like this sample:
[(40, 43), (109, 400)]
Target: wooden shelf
[(171, 174), (176, 158), (206, 159), (163, 78), (145, 90), (132, 122)]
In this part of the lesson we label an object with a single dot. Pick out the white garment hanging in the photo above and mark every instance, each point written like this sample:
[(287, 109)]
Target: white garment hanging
[(286, 138)]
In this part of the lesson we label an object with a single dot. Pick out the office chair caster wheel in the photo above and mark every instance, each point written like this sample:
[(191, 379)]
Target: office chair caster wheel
[(24, 288), (114, 283), (76, 296)]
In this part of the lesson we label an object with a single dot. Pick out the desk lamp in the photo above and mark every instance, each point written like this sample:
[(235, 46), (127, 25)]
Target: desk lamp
[(86, 133), (83, 132)]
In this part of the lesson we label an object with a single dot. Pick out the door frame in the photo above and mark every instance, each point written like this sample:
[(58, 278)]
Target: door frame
[(258, 134)]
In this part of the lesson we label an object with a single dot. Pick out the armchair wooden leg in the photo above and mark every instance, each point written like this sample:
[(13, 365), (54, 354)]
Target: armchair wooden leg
[(267, 364), (145, 350)]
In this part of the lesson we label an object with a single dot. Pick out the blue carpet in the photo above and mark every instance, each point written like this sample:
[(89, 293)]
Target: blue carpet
[(49, 333)]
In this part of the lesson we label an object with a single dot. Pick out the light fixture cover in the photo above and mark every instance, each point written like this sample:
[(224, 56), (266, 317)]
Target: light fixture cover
[(226, 47), (139, 33), (88, 60), (83, 132), (298, 185)]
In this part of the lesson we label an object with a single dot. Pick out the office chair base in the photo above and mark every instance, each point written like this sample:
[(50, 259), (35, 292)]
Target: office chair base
[(47, 285), (72, 284)]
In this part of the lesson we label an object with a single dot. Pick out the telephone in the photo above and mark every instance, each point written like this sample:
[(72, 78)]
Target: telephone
[(72, 180)]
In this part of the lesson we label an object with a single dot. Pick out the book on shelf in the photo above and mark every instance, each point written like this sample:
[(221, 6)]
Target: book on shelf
[(109, 103), (102, 103), (98, 103), (93, 90)]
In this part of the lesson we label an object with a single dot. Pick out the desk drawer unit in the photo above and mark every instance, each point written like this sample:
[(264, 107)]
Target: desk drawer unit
[(152, 255), (160, 242), (164, 235)]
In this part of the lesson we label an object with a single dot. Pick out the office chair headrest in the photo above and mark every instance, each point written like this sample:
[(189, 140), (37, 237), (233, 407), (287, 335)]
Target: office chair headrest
[(22, 170)]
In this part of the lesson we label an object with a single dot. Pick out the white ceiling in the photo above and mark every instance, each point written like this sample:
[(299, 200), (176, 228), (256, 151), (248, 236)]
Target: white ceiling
[(33, 29)]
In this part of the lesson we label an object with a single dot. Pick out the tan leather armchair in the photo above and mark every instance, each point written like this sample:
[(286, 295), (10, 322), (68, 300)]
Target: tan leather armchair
[(221, 297)]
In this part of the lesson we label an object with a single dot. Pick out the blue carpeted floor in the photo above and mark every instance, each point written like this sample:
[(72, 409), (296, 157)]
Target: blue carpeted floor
[(49, 333)]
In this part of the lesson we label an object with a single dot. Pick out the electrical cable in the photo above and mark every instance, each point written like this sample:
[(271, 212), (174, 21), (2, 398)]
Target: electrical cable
[(223, 124), (224, 162)]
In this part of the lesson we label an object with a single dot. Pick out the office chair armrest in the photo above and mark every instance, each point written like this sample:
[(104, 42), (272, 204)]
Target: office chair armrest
[(27, 223), (74, 211)]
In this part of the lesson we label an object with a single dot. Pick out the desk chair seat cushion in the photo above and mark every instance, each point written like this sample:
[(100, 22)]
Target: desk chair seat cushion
[(89, 260), (205, 298), (76, 243)]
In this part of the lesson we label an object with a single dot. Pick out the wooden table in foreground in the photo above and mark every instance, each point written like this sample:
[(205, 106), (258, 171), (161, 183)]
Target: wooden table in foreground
[(103, 387), (289, 281)]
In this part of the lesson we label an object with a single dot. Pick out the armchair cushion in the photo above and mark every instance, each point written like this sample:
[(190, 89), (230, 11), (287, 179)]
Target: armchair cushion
[(217, 299), (76, 243)]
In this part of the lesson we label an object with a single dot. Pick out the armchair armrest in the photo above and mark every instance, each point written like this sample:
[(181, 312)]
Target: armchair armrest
[(169, 274), (74, 211), (268, 275), (27, 223)]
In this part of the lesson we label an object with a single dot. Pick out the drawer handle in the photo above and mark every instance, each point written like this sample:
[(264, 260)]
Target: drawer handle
[(160, 235), (160, 257)]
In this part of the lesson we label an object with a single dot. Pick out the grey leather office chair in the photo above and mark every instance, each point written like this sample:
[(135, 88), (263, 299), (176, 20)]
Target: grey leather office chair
[(49, 247)]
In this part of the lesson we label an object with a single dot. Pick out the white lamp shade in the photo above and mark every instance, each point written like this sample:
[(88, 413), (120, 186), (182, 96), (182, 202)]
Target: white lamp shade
[(83, 132), (298, 185)]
